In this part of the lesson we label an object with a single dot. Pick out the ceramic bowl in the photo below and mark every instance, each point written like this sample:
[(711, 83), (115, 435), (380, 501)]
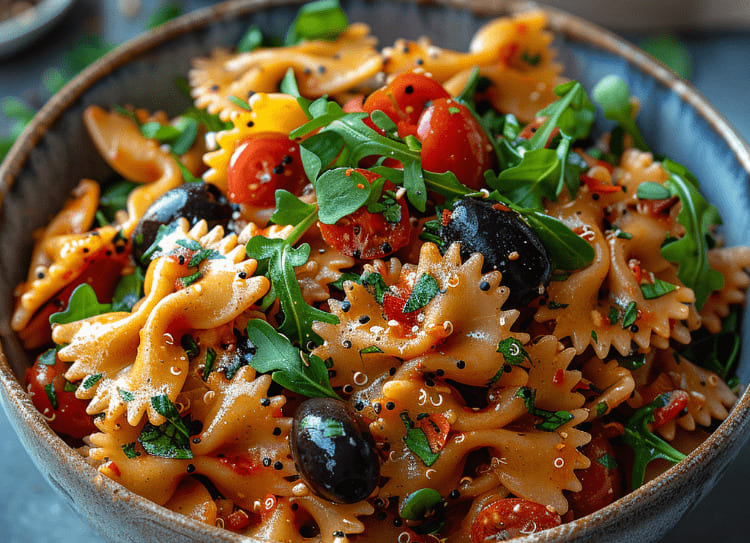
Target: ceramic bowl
[(55, 152)]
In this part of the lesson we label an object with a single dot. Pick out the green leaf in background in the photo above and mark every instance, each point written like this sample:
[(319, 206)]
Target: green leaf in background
[(115, 198), (165, 13), (669, 50), (321, 20), (251, 40), (128, 291), (613, 96)]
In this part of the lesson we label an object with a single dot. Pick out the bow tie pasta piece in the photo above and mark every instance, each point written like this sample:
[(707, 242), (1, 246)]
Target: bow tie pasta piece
[(731, 262), (321, 67)]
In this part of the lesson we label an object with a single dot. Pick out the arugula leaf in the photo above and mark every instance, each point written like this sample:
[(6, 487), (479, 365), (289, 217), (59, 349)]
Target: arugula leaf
[(425, 289), (613, 96), (716, 352), (648, 190), (690, 252), (567, 250), (321, 20), (170, 439), (115, 198), (128, 291), (417, 442), (81, 305), (275, 353), (646, 445)]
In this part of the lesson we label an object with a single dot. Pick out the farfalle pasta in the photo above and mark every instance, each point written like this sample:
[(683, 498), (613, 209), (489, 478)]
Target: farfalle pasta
[(361, 294)]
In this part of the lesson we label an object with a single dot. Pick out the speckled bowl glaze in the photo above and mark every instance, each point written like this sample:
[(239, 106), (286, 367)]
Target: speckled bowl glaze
[(55, 152)]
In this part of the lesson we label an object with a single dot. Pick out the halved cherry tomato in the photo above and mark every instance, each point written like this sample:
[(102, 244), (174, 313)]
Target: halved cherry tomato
[(678, 400), (368, 235), (511, 517), (453, 140), (260, 165), (65, 413), (404, 99), (602, 485)]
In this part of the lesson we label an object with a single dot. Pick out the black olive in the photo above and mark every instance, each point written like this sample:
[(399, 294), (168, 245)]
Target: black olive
[(333, 451), (507, 243), (194, 201)]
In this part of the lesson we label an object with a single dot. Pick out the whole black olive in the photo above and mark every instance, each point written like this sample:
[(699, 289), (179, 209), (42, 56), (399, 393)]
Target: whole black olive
[(333, 451), (506, 241), (194, 201)]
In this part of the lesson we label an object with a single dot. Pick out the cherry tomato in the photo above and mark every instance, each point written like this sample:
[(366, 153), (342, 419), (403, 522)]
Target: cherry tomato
[(602, 481), (46, 385), (511, 517), (677, 402), (404, 99), (368, 235), (453, 140), (260, 165)]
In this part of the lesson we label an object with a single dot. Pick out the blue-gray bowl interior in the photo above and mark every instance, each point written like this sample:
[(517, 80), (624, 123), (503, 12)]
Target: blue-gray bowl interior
[(65, 154)]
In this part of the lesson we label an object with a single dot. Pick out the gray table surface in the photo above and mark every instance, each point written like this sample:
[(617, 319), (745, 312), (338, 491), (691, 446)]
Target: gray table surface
[(30, 511)]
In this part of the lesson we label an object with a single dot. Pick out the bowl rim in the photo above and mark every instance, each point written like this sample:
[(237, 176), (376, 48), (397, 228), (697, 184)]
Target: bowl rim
[(559, 22)]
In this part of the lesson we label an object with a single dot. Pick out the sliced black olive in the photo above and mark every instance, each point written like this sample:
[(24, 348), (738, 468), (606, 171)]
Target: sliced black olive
[(194, 201), (333, 451), (507, 243)]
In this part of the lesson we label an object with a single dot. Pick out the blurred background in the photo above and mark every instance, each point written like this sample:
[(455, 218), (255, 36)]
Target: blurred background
[(43, 43)]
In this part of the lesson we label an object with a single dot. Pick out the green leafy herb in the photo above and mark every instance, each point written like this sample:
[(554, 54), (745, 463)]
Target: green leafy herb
[(81, 305), (613, 96), (657, 289), (607, 460), (204, 254), (554, 305), (91, 380), (321, 20), (240, 103), (670, 51), (275, 353), (115, 197), (631, 362), (594, 336), (623, 235), (251, 40), (69, 387), (189, 345), (426, 505), (630, 315), (374, 283), (532, 60), (370, 350), (126, 395), (340, 192), (190, 279), (49, 389), (425, 289), (209, 365), (417, 442), (129, 450), (716, 352), (512, 351), (128, 291), (648, 190), (170, 439), (601, 409), (189, 244), (691, 251), (551, 420), (48, 357), (346, 276), (646, 445), (290, 209), (613, 315)]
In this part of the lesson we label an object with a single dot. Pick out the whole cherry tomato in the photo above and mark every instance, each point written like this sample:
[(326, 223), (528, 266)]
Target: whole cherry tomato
[(453, 140), (404, 99), (47, 386), (368, 235), (602, 481), (511, 517), (260, 165)]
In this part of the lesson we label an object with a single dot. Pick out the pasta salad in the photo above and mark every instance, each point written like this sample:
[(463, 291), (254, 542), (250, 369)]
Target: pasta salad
[(400, 294)]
